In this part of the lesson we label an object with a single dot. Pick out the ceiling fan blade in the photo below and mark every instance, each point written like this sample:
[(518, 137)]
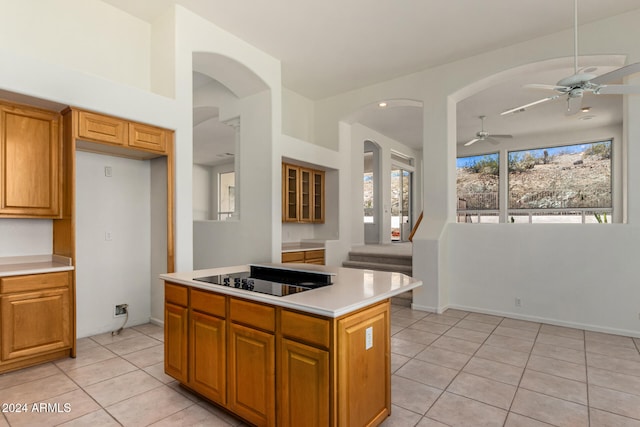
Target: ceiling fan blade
[(471, 142), (500, 136), (546, 87), (573, 105), (492, 141), (531, 104), (617, 90), (616, 75)]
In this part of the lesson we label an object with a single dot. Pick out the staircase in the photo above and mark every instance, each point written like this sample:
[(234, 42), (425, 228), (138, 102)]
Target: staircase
[(384, 258)]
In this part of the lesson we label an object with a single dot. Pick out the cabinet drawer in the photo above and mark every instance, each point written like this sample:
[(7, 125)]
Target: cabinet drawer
[(34, 282), (208, 302), (176, 294), (317, 255), (147, 137), (101, 128), (293, 256), (252, 314), (302, 327)]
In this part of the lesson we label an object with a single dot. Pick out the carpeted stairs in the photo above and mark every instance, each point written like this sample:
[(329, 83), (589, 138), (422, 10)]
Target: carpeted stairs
[(383, 258)]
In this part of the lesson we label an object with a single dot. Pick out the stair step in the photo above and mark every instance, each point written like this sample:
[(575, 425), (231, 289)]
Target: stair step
[(406, 269), (381, 258)]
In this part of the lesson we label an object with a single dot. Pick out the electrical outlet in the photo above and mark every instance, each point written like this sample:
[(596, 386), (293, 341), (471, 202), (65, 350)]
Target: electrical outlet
[(368, 338), (120, 310), (518, 302), (108, 236)]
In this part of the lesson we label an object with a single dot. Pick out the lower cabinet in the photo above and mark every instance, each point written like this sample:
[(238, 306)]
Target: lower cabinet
[(252, 374), (274, 366), (207, 357), (303, 392), (36, 321)]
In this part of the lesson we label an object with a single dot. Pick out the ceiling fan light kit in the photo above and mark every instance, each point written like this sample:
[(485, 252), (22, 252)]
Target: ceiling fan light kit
[(583, 81)]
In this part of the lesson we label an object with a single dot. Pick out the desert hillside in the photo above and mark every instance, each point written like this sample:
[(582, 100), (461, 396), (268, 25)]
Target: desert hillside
[(564, 181)]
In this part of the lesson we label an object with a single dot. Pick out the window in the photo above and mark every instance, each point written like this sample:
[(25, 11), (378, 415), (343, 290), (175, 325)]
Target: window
[(567, 184), (226, 195), (368, 188), (478, 182)]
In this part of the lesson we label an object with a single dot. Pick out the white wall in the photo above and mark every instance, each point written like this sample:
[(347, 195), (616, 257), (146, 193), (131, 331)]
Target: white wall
[(297, 116), (202, 193), (117, 271), (453, 260), (20, 237)]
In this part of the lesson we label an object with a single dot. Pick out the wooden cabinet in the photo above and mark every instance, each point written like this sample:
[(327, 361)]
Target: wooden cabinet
[(95, 127), (364, 367), (252, 358), (36, 321), (30, 155), (315, 256), (302, 194), (176, 331), (207, 346), (303, 370), (252, 374), (304, 385)]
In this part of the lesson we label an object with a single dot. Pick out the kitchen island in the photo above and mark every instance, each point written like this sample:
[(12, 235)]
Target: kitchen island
[(315, 358)]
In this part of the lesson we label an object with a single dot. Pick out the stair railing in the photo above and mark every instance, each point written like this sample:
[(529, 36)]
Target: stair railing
[(415, 227)]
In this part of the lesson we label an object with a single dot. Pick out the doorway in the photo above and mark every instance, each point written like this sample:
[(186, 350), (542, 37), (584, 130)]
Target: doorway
[(401, 183), (371, 199)]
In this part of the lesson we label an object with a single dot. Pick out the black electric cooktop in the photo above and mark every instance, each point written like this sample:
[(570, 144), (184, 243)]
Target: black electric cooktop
[(271, 280)]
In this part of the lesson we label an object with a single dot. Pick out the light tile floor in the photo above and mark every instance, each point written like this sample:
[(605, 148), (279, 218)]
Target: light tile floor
[(454, 369)]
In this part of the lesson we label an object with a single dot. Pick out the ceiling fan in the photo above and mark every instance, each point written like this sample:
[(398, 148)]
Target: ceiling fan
[(483, 135), (582, 81)]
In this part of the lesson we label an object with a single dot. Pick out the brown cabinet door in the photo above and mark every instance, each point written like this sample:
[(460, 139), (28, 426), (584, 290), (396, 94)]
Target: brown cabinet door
[(147, 137), (290, 177), (251, 375), (303, 375), (101, 128), (34, 323), (364, 367), (30, 153), (175, 341), (305, 194), (318, 197), (207, 361)]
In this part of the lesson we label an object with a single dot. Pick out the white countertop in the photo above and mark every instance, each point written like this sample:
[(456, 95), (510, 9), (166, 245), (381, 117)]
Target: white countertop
[(352, 289), (301, 246), (33, 264)]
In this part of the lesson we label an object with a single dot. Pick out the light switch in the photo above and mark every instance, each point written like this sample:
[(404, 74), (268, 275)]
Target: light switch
[(108, 172), (368, 338)]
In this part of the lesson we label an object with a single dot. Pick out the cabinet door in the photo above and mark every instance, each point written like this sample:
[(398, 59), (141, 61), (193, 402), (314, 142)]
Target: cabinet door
[(100, 128), (251, 375), (364, 367), (175, 341), (30, 153), (305, 194), (147, 137), (35, 322), (207, 361), (290, 193), (303, 375), (318, 197)]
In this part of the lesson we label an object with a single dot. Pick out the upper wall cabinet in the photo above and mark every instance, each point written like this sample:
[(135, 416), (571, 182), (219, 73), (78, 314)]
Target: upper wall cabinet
[(302, 194), (94, 127), (30, 155)]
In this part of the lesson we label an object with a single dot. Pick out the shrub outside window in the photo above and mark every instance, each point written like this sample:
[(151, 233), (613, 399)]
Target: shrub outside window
[(478, 183)]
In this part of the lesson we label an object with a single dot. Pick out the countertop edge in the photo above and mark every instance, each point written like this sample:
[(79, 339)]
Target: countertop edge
[(285, 303), (34, 264)]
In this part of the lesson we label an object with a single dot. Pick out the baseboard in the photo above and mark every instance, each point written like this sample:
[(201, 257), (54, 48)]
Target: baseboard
[(556, 322), (427, 308), (156, 322)]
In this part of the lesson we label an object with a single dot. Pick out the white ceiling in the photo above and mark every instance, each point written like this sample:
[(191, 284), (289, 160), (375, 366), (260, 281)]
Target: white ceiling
[(332, 46)]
